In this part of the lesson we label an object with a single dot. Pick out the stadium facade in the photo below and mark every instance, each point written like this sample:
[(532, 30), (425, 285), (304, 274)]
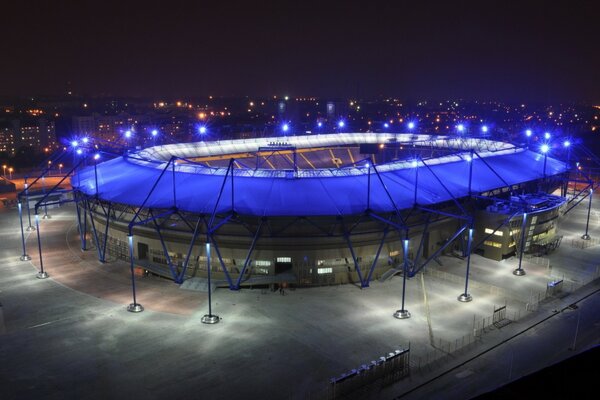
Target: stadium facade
[(318, 209)]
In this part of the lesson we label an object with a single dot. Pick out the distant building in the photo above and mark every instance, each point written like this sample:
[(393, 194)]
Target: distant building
[(7, 139), (38, 134)]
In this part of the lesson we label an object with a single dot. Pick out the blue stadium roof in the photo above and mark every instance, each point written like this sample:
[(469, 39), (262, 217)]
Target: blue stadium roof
[(129, 181)]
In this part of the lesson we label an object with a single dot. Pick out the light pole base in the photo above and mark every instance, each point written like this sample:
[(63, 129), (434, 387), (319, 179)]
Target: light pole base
[(46, 216), (30, 228), (586, 237), (402, 314), (519, 272), (210, 319), (42, 275), (25, 257), (135, 308), (465, 297)]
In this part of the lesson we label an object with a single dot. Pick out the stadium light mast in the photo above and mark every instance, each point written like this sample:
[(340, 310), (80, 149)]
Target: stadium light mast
[(466, 296), (209, 318), (520, 271), (586, 235), (544, 149), (403, 313), (41, 273)]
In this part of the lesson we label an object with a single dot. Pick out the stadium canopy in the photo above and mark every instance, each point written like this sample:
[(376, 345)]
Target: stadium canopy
[(195, 188)]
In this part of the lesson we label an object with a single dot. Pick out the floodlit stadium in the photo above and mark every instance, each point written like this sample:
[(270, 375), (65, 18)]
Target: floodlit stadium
[(317, 209)]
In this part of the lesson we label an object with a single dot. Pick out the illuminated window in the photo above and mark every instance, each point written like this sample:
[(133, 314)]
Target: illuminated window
[(497, 233), (492, 244), (284, 259), (327, 270), (262, 263), (394, 253)]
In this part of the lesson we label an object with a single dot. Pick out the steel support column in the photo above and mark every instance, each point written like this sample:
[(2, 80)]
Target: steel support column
[(223, 267), (385, 232), (174, 273), (95, 234), (246, 262), (363, 284), (189, 252), (438, 251)]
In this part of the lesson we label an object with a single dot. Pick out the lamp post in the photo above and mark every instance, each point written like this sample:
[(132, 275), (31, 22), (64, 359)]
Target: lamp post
[(528, 134), (41, 273), (209, 318), (30, 227), (520, 271), (134, 307), (10, 171), (586, 235), (4, 172), (45, 216), (466, 296), (403, 313)]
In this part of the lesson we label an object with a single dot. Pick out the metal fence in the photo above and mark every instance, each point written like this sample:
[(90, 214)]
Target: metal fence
[(378, 373), (446, 350)]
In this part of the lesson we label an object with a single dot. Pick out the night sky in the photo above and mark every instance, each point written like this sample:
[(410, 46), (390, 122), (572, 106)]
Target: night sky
[(506, 50)]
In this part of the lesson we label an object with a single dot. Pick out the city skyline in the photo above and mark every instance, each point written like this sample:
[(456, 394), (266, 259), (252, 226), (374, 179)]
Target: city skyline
[(528, 52)]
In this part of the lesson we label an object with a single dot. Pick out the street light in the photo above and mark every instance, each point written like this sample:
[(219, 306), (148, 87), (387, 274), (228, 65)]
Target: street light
[(10, 170), (60, 166), (4, 173)]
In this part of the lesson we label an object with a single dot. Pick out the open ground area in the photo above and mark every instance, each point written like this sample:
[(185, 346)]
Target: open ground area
[(70, 336)]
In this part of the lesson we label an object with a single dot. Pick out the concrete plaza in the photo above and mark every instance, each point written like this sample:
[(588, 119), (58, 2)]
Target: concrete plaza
[(70, 336)]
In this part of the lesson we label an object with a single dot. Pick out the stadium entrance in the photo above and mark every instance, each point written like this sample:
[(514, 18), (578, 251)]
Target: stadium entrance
[(283, 265)]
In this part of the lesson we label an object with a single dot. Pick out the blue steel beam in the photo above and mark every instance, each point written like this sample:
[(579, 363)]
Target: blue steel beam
[(189, 252), (385, 232), (53, 189), (390, 197), (95, 234), (580, 200), (106, 233), (43, 173), (438, 251), (223, 267), (141, 207), (422, 241), (363, 284), (444, 187), (212, 217), (504, 222), (493, 170), (254, 240), (221, 223), (386, 221), (447, 214), (165, 251)]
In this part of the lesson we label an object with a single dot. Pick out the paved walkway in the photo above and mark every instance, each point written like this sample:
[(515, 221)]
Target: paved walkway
[(70, 337)]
